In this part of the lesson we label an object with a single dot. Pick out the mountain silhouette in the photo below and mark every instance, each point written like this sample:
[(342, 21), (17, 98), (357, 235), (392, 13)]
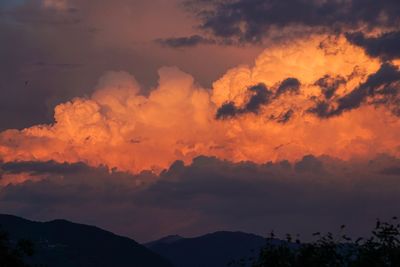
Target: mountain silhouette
[(64, 244), (210, 250), (165, 240)]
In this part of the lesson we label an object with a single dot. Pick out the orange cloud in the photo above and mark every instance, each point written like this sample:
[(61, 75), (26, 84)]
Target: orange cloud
[(120, 128), (55, 4)]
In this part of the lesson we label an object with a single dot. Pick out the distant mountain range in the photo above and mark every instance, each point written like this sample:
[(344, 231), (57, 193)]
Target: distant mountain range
[(62, 243), (211, 250)]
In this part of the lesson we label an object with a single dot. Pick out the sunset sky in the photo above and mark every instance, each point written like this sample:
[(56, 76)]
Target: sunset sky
[(150, 118)]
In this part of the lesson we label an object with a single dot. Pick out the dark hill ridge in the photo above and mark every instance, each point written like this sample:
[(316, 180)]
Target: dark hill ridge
[(165, 240), (64, 244), (210, 250)]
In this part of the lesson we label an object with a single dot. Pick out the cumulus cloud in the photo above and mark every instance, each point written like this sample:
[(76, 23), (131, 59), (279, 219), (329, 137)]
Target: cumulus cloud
[(54, 53), (119, 127), (51, 55), (297, 99)]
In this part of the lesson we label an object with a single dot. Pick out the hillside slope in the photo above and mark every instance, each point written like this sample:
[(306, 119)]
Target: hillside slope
[(64, 244)]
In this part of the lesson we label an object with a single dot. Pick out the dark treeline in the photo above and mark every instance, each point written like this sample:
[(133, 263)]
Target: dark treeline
[(14, 254), (381, 249)]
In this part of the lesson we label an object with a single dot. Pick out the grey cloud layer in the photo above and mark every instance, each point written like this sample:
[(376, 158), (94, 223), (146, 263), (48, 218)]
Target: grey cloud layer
[(212, 194), (237, 22), (189, 41), (251, 20), (386, 45)]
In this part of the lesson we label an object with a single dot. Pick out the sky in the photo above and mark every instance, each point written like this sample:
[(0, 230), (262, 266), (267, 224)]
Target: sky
[(151, 118)]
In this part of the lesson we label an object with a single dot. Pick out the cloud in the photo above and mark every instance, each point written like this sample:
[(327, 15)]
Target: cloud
[(285, 116), (53, 55), (259, 96), (117, 121), (35, 167), (288, 85), (247, 114), (55, 4), (309, 163), (74, 47), (227, 110), (180, 42), (385, 45), (251, 21), (214, 142), (391, 171), (329, 84), (46, 12), (212, 194), (384, 85)]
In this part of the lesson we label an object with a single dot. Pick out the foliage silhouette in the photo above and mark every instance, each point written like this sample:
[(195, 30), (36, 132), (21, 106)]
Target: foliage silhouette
[(13, 255), (381, 249)]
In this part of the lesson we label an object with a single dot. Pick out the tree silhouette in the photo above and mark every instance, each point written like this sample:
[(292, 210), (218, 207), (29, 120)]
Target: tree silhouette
[(13, 255), (381, 249)]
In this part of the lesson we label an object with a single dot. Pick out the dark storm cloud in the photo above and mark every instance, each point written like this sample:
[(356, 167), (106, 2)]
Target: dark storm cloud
[(380, 89), (391, 171), (180, 42), (70, 182), (259, 95), (383, 87), (285, 117), (215, 194), (227, 110), (288, 85), (43, 167), (329, 85), (322, 109), (252, 20), (385, 46), (309, 163), (379, 83)]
